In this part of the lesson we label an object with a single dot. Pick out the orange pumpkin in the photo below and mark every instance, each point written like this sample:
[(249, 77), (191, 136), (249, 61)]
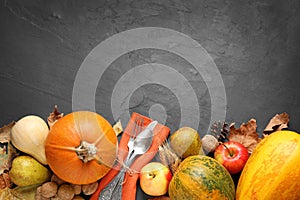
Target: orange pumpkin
[(81, 147)]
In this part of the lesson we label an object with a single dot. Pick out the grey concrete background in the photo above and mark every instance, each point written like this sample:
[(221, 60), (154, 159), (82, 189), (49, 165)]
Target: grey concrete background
[(255, 45)]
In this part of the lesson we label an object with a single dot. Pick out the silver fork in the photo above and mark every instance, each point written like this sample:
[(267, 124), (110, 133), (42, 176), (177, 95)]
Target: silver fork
[(141, 145), (107, 192), (137, 128)]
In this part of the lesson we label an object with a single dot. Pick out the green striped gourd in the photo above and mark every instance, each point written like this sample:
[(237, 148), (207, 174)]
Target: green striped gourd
[(201, 177)]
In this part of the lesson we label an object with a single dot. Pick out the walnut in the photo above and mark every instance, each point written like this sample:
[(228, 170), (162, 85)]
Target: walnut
[(76, 188), (65, 192), (57, 180), (39, 196), (49, 189), (78, 198), (89, 189), (55, 198)]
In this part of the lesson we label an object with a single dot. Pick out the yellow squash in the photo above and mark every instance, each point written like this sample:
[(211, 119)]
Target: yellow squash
[(273, 169)]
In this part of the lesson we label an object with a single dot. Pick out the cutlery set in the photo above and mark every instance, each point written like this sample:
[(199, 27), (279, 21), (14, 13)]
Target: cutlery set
[(139, 143)]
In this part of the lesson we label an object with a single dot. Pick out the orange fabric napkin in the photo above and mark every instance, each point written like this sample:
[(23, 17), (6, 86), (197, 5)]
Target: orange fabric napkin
[(160, 133)]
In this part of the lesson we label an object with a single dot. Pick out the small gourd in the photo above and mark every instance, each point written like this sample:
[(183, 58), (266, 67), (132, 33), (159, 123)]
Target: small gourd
[(201, 177), (29, 135)]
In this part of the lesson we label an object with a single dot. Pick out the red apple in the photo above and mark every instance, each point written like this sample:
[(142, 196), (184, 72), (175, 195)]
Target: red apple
[(155, 178), (232, 155)]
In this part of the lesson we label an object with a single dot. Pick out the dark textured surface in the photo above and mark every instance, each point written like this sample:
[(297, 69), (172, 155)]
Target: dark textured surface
[(254, 44)]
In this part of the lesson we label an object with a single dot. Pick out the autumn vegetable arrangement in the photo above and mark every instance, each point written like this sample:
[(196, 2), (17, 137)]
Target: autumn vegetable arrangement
[(61, 160), (237, 163), (65, 157)]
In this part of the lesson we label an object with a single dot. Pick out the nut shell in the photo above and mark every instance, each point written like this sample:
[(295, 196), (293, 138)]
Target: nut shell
[(209, 143), (89, 188), (65, 192), (49, 189)]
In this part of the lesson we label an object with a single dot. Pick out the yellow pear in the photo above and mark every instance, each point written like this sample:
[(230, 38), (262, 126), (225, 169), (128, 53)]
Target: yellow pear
[(26, 171)]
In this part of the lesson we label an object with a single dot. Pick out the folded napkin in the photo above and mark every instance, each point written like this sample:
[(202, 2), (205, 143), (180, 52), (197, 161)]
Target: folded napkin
[(160, 133)]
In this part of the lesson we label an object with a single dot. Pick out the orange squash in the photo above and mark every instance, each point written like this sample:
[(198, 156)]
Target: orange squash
[(273, 169), (81, 147)]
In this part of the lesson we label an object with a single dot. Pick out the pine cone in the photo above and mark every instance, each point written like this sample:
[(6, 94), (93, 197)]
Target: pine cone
[(220, 130)]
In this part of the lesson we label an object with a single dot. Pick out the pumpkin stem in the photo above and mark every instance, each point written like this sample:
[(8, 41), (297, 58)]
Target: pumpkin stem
[(64, 148), (86, 151)]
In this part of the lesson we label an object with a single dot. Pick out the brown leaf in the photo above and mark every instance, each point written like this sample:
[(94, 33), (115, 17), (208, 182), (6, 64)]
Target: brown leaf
[(277, 123), (5, 181), (54, 116), (245, 135), (5, 132), (7, 151), (118, 128)]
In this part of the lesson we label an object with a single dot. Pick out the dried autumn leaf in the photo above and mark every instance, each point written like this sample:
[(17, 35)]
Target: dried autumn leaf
[(7, 151), (18, 193), (5, 181), (24, 192), (118, 128), (6, 194), (245, 135), (54, 116), (277, 123)]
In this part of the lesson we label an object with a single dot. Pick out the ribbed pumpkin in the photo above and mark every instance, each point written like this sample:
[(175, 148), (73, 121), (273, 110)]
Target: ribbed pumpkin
[(273, 169), (201, 177), (81, 147)]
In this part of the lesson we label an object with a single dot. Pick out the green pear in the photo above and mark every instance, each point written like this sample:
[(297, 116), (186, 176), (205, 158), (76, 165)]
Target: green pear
[(186, 142), (26, 171)]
